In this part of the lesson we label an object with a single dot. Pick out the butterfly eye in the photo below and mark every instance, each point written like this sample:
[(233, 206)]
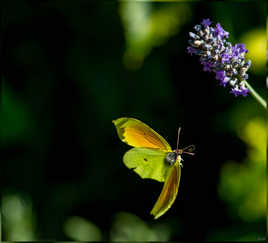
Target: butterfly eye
[(171, 158)]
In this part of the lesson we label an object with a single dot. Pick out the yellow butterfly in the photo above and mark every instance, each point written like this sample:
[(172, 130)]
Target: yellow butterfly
[(152, 157)]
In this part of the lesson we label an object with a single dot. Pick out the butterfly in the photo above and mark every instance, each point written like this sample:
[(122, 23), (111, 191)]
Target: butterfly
[(153, 158)]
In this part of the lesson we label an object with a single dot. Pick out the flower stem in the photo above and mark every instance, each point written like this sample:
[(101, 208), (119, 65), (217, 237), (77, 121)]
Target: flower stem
[(256, 95)]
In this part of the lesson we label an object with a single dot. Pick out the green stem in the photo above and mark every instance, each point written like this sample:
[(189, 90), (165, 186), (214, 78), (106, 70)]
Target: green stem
[(256, 95)]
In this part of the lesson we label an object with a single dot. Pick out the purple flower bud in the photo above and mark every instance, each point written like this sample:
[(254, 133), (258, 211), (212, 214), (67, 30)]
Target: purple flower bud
[(247, 64), (219, 31), (197, 43), (206, 22), (207, 46), (242, 90), (197, 28), (207, 66), (194, 36), (233, 82), (191, 50), (224, 81), (219, 56), (234, 72), (225, 57), (241, 47), (245, 77), (220, 75)]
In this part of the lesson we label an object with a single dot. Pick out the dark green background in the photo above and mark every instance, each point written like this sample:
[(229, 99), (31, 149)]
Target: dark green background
[(64, 72)]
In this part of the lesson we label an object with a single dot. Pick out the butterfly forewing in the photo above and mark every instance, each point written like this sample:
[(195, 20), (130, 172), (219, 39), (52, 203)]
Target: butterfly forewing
[(137, 134)]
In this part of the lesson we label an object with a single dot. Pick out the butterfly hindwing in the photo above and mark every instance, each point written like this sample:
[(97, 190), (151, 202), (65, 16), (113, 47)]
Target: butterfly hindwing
[(147, 163), (169, 191)]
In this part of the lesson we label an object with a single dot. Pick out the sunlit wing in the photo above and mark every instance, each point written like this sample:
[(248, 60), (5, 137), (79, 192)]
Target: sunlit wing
[(147, 163), (168, 193), (137, 134)]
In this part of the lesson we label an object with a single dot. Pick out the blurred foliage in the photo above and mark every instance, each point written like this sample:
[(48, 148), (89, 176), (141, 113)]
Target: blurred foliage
[(147, 27), (255, 41), (266, 52), (129, 227), (15, 122), (238, 233), (79, 229), (243, 186), (18, 217)]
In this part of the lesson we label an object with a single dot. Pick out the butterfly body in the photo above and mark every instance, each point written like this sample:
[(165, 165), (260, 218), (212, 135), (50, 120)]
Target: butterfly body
[(151, 157)]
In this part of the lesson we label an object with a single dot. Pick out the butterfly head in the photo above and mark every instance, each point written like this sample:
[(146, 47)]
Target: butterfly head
[(173, 156)]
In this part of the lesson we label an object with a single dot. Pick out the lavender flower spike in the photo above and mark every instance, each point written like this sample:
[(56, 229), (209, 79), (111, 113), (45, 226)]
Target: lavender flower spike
[(219, 56)]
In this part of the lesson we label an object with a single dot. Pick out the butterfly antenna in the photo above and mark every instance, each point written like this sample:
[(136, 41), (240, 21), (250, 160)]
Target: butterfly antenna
[(178, 139), (189, 150)]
